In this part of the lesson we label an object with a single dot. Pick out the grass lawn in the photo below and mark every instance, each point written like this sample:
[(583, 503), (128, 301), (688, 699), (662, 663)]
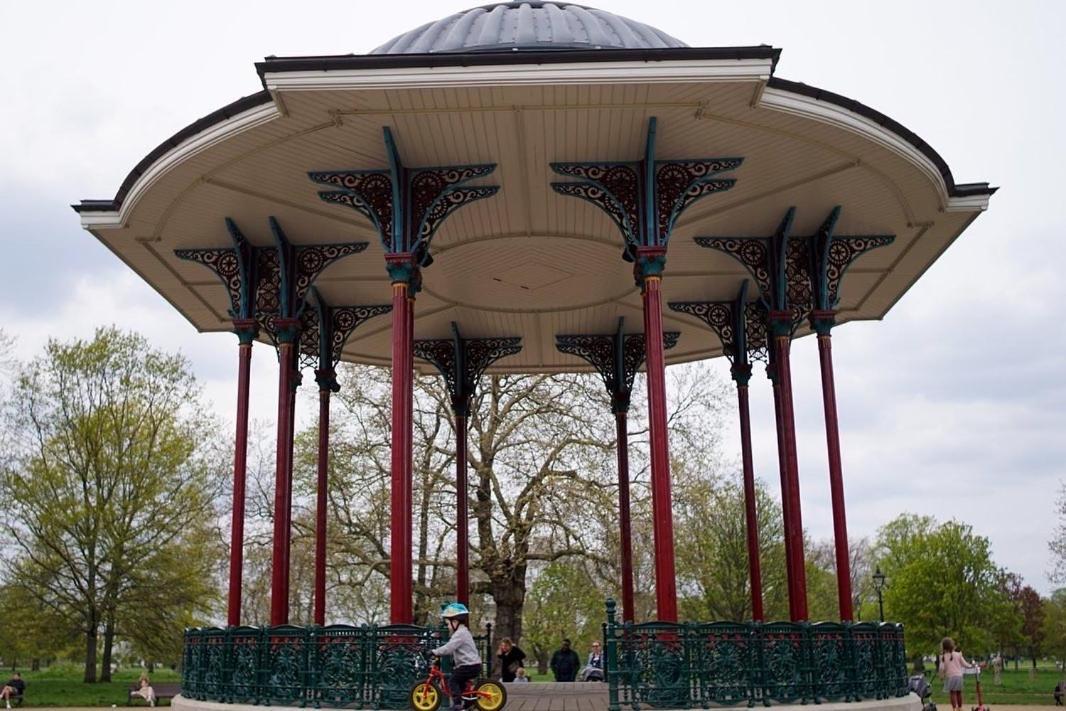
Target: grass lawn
[(1015, 688), (61, 685)]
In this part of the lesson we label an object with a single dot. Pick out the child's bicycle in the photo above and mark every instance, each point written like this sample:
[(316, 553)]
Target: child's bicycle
[(486, 694)]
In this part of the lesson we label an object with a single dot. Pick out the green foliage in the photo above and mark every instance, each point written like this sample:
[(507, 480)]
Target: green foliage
[(1053, 629), (563, 601), (111, 490), (712, 553), (942, 582)]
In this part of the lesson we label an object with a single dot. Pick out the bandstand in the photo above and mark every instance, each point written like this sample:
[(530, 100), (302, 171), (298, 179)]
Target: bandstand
[(539, 187)]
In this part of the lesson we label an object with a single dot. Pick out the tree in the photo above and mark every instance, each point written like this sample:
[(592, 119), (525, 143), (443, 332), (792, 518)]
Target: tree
[(1054, 627), (1057, 545), (1032, 613), (563, 602), (712, 551), (110, 490), (942, 582)]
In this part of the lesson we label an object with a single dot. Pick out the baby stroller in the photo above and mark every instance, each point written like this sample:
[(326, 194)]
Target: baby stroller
[(924, 689)]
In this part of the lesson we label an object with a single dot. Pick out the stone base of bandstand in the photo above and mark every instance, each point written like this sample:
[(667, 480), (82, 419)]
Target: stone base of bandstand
[(577, 696)]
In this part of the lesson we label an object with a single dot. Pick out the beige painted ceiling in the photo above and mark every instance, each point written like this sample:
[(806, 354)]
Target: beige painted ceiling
[(529, 262)]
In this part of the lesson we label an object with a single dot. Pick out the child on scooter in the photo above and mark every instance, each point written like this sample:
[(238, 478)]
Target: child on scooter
[(461, 647), (951, 665)]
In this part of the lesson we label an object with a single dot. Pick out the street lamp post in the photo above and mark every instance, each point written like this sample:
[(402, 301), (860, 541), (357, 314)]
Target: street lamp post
[(879, 586)]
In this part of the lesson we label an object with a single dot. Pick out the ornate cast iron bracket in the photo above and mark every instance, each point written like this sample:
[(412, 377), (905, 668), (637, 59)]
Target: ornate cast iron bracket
[(739, 324), (462, 361), (324, 331), (405, 205), (644, 198), (269, 284), (797, 275), (616, 357)]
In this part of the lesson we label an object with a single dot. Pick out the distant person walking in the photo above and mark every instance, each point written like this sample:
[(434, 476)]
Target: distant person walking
[(951, 665), (510, 656), (565, 663)]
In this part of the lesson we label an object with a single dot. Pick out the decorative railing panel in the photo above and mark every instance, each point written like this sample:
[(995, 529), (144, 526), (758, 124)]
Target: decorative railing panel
[(697, 665), (364, 667)]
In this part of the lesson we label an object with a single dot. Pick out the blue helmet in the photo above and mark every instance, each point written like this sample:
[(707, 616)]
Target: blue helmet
[(454, 609)]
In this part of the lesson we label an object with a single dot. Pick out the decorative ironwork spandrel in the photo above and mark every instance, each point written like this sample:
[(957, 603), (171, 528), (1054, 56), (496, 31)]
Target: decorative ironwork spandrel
[(616, 358), (322, 350), (405, 205), (645, 198), (841, 253), (368, 192), (678, 184), (463, 370)]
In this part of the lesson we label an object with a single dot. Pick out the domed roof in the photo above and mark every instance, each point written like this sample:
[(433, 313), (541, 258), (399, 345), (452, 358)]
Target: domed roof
[(531, 25)]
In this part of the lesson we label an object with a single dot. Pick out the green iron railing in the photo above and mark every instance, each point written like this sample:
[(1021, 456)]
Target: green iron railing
[(339, 665), (695, 665)]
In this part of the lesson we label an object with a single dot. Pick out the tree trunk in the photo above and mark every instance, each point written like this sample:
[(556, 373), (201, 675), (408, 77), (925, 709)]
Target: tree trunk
[(35, 664), (509, 594), (151, 667), (109, 643), (90, 655)]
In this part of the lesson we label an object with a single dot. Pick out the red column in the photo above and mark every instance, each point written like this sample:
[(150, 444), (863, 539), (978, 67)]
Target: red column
[(793, 519), (662, 513), (782, 464), (401, 604), (462, 543), (324, 381), (628, 606), (279, 584), (240, 468), (836, 479), (751, 519)]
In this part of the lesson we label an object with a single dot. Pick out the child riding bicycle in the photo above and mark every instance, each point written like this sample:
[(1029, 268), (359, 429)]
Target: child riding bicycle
[(461, 647)]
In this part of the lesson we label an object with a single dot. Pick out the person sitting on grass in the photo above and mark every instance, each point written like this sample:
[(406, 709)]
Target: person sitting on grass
[(13, 689), (145, 690)]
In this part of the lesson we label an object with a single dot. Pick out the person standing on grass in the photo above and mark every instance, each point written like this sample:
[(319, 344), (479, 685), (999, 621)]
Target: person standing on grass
[(951, 665), (565, 663)]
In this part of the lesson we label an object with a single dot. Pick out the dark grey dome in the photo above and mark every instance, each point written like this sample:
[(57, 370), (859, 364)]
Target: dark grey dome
[(531, 25)]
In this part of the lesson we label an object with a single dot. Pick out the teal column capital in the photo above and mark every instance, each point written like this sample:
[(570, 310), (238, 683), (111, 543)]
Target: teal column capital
[(650, 262), (823, 321), (780, 324), (247, 329), (287, 330), (404, 269)]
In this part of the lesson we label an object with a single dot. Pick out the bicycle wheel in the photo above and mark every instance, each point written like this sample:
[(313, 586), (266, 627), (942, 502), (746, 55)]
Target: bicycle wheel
[(425, 697), (491, 695)]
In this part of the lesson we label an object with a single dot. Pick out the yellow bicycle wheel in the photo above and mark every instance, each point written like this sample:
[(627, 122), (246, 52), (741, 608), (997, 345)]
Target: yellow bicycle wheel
[(425, 697), (491, 695)]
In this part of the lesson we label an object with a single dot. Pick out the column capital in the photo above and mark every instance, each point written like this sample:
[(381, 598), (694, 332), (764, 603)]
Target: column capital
[(327, 380), (822, 321), (781, 323), (246, 329), (650, 262), (403, 268), (741, 373), (286, 330)]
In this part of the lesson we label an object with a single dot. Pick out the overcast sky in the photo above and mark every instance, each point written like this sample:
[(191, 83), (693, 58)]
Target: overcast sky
[(954, 405)]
